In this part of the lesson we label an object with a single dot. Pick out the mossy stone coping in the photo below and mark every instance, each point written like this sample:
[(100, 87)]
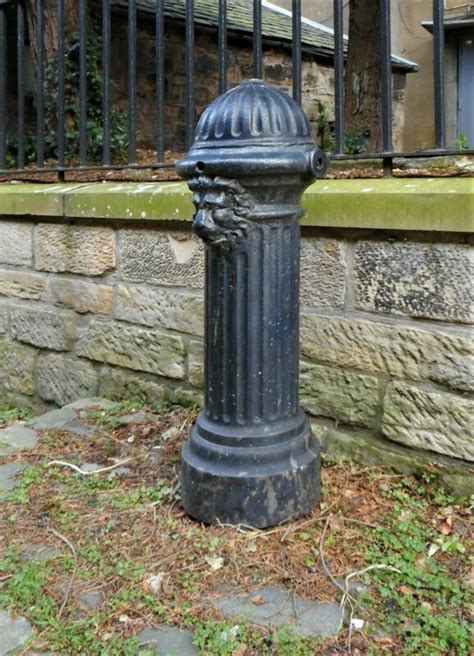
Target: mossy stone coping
[(439, 204)]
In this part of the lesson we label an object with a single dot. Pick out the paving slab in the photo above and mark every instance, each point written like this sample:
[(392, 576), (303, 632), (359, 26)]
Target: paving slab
[(54, 420), (17, 437), (91, 600), (138, 418), (38, 552), (8, 474), (167, 641), (80, 428), (14, 632), (64, 419), (274, 606), (93, 402)]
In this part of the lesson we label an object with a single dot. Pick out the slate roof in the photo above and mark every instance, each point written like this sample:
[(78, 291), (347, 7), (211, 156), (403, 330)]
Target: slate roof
[(455, 21), (276, 26)]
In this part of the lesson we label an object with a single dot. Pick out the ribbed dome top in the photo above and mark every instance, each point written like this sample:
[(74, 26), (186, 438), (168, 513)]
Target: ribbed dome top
[(252, 114)]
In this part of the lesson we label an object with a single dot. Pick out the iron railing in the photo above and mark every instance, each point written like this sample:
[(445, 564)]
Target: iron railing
[(25, 130)]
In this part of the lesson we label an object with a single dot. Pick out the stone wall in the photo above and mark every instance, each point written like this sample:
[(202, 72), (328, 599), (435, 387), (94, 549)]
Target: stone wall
[(317, 80), (116, 309)]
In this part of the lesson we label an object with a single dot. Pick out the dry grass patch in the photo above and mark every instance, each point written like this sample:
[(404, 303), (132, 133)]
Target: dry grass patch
[(123, 533)]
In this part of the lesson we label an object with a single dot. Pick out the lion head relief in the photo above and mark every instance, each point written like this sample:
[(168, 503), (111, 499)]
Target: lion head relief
[(222, 208)]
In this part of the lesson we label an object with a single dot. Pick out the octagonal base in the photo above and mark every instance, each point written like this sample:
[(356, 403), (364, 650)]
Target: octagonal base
[(236, 481)]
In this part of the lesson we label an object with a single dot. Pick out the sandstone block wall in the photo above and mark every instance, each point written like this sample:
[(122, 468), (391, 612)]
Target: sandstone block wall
[(116, 309)]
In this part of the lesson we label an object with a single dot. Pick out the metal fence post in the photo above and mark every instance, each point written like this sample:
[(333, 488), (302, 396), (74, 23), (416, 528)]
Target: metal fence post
[(251, 458)]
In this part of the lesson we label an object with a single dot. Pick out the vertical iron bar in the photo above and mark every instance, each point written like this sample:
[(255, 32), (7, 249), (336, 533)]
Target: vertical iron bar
[(3, 86), (387, 163), (20, 85), (386, 69), (106, 81), (61, 101), (438, 70), (296, 49), (160, 81), (83, 82), (189, 72), (222, 46), (257, 39), (132, 82), (40, 84), (339, 76)]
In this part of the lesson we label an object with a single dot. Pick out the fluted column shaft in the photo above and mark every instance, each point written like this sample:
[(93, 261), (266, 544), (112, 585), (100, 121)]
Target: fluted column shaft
[(251, 361)]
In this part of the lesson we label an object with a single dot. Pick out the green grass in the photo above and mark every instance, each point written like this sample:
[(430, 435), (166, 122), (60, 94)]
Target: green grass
[(11, 414), (125, 529), (423, 604)]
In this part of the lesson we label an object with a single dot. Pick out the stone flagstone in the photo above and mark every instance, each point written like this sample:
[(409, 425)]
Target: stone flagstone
[(167, 641), (38, 552), (8, 474), (65, 419), (14, 632), (91, 600), (138, 418), (54, 420), (17, 437), (96, 402), (274, 606)]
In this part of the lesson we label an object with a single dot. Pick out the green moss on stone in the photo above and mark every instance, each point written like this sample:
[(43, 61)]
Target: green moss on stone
[(436, 204), (369, 449), (440, 204)]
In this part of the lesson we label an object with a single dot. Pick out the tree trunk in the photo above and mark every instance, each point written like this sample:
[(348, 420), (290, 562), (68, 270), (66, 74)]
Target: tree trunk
[(50, 34), (362, 75)]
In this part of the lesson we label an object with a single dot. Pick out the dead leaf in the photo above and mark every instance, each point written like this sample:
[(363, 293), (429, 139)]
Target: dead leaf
[(336, 523), (446, 527), (350, 493), (252, 547), (153, 584), (357, 623), (241, 650), (215, 563), (257, 600), (434, 548)]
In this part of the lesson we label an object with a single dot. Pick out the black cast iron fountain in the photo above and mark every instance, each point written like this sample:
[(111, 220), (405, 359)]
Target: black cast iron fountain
[(251, 458)]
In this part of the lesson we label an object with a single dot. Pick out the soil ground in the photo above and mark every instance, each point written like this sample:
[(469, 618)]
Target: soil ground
[(122, 535)]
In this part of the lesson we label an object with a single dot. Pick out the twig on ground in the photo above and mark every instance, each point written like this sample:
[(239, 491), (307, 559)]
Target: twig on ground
[(88, 473), (347, 598), (250, 532), (326, 569), (368, 569), (352, 520), (73, 575)]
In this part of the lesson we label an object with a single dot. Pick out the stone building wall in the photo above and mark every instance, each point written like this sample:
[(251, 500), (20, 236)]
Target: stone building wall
[(317, 80), (115, 309)]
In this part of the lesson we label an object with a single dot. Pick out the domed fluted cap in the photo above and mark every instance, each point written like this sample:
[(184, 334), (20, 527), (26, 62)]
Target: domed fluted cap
[(253, 130), (253, 113)]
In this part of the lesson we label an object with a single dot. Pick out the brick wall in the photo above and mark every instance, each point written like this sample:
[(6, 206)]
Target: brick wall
[(116, 310)]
